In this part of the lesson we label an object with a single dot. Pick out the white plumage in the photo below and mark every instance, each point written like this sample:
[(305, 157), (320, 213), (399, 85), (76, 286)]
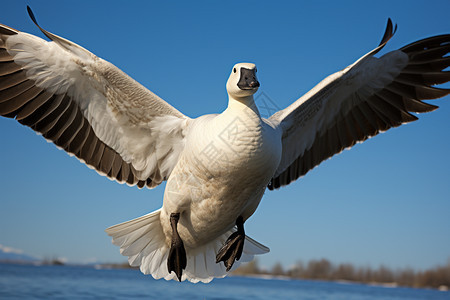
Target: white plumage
[(217, 166)]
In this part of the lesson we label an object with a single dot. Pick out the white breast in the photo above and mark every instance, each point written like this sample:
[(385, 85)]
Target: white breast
[(235, 143)]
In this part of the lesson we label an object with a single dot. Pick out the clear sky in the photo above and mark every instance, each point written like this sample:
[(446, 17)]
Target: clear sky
[(386, 201)]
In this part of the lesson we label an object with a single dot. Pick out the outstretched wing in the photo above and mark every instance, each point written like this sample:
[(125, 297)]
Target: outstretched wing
[(89, 108), (368, 97)]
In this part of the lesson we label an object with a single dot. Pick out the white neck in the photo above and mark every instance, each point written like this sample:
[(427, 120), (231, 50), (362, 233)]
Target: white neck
[(242, 104)]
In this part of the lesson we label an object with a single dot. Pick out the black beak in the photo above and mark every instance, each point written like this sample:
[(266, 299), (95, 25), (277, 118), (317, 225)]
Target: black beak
[(248, 80), (254, 83)]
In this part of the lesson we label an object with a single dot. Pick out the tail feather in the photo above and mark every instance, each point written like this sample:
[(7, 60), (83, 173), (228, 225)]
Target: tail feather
[(135, 260), (143, 241), (127, 241), (139, 245), (127, 227), (253, 247)]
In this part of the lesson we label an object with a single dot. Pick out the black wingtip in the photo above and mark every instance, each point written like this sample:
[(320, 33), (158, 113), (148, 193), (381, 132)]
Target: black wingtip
[(33, 18), (389, 32)]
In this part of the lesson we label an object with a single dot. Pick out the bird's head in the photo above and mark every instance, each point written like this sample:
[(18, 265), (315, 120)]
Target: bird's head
[(242, 81)]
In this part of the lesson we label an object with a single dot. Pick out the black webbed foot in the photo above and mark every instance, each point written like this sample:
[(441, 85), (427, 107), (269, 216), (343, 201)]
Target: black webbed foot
[(177, 255), (232, 250)]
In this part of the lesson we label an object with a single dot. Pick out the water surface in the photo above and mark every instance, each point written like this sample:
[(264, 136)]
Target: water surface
[(72, 282)]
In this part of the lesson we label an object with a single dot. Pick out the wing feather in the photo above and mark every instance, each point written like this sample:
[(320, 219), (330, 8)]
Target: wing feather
[(97, 155), (89, 147), (124, 172), (32, 106), (364, 99), (63, 123), (115, 169), (107, 160), (8, 67), (12, 79), (72, 130), (47, 123)]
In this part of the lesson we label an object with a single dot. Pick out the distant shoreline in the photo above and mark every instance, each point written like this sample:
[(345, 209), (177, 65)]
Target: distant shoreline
[(322, 269), (443, 288)]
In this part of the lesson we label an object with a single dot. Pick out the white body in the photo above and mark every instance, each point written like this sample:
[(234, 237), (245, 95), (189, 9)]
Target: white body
[(222, 172)]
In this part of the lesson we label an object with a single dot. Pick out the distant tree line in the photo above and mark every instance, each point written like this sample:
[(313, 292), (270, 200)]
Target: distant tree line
[(322, 269), (54, 261)]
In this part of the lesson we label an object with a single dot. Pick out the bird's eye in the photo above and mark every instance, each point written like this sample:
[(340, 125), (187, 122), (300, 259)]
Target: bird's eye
[(234, 70), (256, 70)]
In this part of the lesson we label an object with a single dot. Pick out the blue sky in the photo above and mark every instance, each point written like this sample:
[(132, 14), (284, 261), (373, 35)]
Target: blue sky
[(385, 201)]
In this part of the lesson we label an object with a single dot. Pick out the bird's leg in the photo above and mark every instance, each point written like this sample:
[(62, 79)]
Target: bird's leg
[(177, 255), (232, 250)]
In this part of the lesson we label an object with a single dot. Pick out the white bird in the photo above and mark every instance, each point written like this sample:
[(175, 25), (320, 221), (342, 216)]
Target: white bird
[(217, 166)]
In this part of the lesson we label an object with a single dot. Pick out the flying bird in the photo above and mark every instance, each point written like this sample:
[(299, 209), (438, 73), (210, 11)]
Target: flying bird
[(217, 166)]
